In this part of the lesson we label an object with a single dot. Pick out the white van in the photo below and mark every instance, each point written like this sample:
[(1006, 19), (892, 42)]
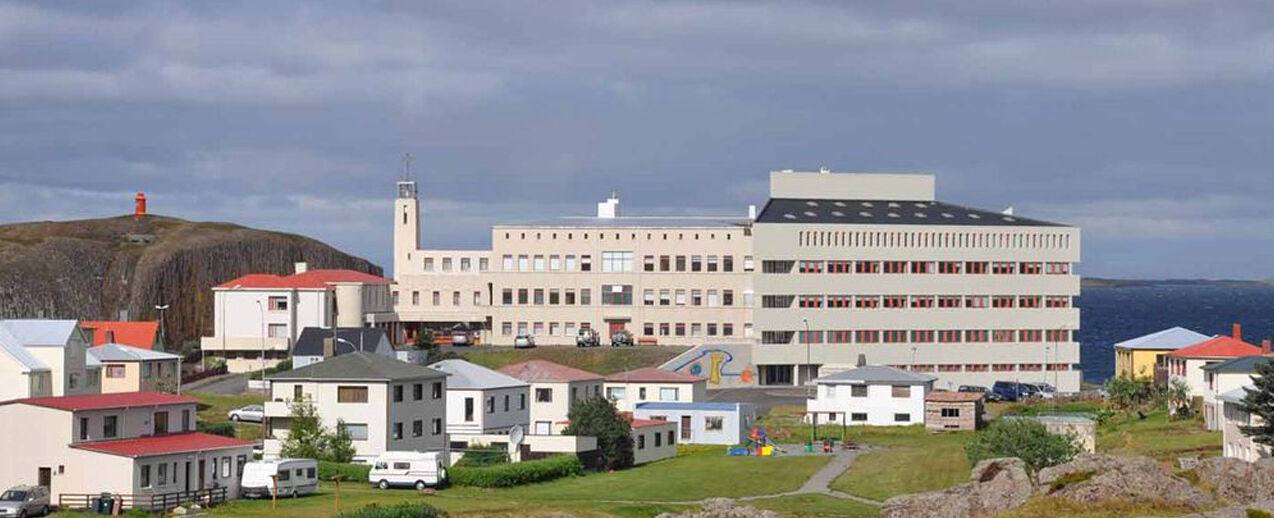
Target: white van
[(408, 469), (295, 477)]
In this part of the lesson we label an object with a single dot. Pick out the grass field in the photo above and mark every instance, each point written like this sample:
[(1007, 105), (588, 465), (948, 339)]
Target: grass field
[(601, 360), (213, 409), (641, 491)]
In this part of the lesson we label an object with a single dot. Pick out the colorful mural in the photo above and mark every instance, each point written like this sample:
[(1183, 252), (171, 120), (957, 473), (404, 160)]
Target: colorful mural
[(722, 365)]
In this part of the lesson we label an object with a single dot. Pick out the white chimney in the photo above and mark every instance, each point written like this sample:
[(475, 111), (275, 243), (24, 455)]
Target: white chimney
[(301, 267), (752, 212), (609, 209)]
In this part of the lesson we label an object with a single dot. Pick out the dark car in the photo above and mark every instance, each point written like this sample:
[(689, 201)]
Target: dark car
[(621, 338), (1011, 390), (979, 389)]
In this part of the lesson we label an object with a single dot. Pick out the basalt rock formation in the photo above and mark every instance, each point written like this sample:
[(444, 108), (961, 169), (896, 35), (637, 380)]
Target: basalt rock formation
[(93, 269)]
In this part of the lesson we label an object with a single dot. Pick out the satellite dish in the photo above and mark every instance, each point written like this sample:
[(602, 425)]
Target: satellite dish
[(516, 435)]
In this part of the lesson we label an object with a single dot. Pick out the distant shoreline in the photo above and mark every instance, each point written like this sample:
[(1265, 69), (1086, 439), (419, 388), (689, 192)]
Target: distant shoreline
[(1099, 282)]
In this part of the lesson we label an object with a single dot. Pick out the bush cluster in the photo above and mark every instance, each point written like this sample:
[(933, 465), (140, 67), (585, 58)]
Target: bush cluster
[(348, 472), (403, 510), (223, 429), (508, 475), (477, 456)]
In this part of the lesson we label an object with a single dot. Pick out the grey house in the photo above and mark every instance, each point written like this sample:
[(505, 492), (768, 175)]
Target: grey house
[(316, 344)]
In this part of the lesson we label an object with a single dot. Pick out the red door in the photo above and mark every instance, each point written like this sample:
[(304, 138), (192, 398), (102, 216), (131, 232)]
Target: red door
[(615, 326)]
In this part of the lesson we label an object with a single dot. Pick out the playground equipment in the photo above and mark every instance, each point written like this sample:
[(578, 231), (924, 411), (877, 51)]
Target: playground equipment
[(759, 444)]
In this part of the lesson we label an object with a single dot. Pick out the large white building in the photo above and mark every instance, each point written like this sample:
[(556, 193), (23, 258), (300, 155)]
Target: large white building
[(870, 395), (258, 317), (835, 266)]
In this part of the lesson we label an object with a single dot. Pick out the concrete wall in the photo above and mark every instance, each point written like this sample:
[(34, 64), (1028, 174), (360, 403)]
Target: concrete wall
[(162, 374), (66, 364), (633, 393), (735, 428), (832, 400), (1215, 385), (724, 365), (650, 443)]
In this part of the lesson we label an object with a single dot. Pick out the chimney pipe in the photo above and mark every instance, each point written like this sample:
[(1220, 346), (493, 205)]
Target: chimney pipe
[(329, 348), (1237, 332), (300, 267), (1265, 346)]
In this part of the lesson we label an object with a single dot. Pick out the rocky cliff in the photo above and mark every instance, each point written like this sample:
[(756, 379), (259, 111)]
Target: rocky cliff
[(93, 269)]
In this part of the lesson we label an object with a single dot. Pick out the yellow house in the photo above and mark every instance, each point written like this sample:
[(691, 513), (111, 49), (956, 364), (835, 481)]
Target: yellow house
[(131, 369), (1137, 357)]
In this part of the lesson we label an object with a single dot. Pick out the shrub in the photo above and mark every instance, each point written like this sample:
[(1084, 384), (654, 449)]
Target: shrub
[(1257, 513), (508, 475), (1024, 438), (597, 417), (403, 510), (348, 472), (222, 429)]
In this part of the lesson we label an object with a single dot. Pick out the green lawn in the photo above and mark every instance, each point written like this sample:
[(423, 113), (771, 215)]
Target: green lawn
[(601, 360), (213, 409), (634, 492), (911, 460), (1157, 436)]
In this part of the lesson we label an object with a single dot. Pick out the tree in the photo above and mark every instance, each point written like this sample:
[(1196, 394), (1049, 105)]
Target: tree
[(340, 444), (1132, 395), (596, 416), (424, 340), (305, 434), (1177, 394), (1259, 402), (1024, 438)]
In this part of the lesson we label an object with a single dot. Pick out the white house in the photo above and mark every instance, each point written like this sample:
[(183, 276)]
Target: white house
[(133, 369), (554, 388), (482, 401), (1219, 378), (706, 422), (140, 444), (871, 395), (626, 389), (653, 440), (1233, 442), (385, 404), (315, 344), (1187, 363), (258, 317), (56, 347)]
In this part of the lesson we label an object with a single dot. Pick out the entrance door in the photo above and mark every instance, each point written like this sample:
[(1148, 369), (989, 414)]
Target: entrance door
[(187, 476), (46, 477), (615, 326), (685, 428), (201, 474)]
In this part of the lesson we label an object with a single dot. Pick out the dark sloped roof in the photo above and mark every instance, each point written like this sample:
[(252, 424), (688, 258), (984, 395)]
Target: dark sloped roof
[(310, 343), (359, 365), (886, 212), (1243, 364)]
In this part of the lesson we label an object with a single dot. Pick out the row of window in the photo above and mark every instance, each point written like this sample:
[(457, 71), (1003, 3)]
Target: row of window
[(149, 369), (650, 236), (358, 393), (659, 439), (620, 295), (465, 264), (490, 405), (860, 391), (993, 367), (455, 298), (917, 301), (917, 267), (889, 239), (545, 395), (665, 393), (918, 336), (648, 328), (159, 425), (417, 429), (622, 261), (220, 469), (857, 417)]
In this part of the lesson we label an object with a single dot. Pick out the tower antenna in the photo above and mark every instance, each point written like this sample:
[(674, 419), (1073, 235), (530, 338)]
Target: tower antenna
[(406, 171)]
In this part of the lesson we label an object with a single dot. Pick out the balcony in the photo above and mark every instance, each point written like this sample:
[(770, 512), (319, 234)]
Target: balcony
[(278, 409)]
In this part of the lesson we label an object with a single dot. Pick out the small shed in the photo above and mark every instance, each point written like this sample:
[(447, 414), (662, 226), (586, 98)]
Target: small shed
[(954, 411), (1081, 428)]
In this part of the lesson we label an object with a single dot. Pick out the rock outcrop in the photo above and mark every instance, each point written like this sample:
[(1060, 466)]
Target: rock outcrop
[(92, 269), (721, 508), (1097, 478), (1236, 481), (996, 485)]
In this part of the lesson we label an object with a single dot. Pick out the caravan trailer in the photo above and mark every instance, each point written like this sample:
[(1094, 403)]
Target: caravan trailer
[(295, 477), (408, 469)]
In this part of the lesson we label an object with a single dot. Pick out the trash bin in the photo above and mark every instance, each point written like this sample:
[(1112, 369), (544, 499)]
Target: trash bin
[(103, 503), (809, 447)]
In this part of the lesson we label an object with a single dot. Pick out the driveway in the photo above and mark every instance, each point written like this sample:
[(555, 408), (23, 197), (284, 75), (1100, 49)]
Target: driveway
[(228, 385)]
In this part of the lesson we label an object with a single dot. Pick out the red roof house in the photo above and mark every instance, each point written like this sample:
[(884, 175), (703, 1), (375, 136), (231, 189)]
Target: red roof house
[(310, 279), (142, 335), (652, 375), (105, 401), (164, 444), (1218, 347), (541, 371)]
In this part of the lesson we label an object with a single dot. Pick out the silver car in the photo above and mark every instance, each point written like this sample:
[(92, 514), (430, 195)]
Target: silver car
[(23, 501), (253, 413)]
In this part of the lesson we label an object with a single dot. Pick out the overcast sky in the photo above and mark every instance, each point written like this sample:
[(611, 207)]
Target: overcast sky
[(1148, 123)]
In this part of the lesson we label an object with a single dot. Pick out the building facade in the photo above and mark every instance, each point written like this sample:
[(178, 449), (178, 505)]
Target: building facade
[(47, 357), (835, 266), (554, 388), (132, 369), (627, 389), (482, 401), (258, 317), (704, 422), (870, 395), (1144, 358)]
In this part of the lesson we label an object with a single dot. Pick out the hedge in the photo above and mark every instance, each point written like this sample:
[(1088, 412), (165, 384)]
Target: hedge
[(348, 472), (508, 475), (403, 510), (222, 429)]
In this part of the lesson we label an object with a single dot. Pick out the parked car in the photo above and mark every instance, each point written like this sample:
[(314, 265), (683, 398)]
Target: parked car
[(460, 337), (621, 338), (1011, 390), (408, 469), (524, 341), (253, 413), (23, 501), (587, 337), (979, 389), (282, 477), (1045, 390)]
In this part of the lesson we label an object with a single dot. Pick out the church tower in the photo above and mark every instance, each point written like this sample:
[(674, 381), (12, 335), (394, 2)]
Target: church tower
[(406, 221)]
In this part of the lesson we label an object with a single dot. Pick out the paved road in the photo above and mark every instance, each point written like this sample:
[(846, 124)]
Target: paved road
[(763, 398), (230, 384)]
